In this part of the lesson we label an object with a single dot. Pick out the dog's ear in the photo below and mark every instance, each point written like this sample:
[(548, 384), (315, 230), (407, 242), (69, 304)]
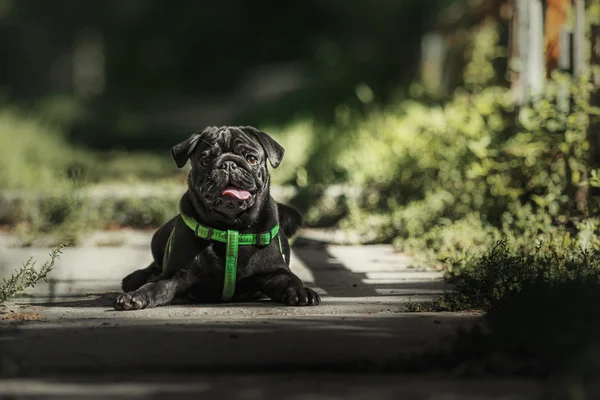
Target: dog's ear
[(182, 152), (273, 149)]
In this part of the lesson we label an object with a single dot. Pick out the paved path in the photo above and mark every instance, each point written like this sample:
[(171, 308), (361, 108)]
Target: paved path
[(258, 386), (73, 340), (342, 273)]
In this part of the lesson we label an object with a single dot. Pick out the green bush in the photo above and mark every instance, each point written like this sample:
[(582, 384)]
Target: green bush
[(66, 213), (455, 178), (507, 270), (32, 154), (36, 156), (51, 177), (137, 212), (297, 139)]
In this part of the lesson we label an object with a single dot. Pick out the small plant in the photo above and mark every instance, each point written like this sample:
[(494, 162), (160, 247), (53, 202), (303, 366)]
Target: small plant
[(28, 276), (412, 307), (418, 307)]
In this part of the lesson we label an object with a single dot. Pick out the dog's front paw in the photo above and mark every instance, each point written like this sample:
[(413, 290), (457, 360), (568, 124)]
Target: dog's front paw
[(131, 301), (301, 296)]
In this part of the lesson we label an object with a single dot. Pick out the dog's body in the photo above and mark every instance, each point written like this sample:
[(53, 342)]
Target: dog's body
[(228, 189)]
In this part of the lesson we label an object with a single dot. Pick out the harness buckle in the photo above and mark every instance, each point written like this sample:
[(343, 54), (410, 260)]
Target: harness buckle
[(259, 239)]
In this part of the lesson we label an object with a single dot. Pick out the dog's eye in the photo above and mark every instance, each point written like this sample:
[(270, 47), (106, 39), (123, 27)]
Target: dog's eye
[(251, 159), (205, 161)]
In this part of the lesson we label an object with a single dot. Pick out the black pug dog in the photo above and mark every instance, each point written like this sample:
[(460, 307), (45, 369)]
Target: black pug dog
[(230, 240)]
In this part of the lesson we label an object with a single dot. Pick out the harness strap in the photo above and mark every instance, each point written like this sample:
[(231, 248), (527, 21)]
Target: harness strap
[(231, 257), (232, 239)]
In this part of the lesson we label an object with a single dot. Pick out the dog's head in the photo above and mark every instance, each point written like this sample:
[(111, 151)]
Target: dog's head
[(229, 172)]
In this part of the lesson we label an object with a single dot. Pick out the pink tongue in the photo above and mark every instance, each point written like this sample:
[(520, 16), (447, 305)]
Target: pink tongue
[(237, 193)]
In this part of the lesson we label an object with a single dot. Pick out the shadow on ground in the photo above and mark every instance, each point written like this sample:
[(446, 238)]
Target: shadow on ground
[(255, 386), (129, 343), (338, 279)]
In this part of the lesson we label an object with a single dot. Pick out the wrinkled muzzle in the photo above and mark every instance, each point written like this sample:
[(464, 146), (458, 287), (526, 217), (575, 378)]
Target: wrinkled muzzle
[(230, 187)]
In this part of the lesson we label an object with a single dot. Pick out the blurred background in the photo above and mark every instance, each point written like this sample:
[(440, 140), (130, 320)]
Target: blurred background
[(464, 132), (439, 124), (141, 74)]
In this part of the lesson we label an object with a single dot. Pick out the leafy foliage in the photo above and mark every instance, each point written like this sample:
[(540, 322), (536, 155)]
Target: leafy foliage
[(455, 178), (62, 215), (503, 272), (36, 156)]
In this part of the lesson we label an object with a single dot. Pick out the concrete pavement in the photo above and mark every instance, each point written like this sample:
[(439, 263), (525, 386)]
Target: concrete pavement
[(65, 338), (258, 386)]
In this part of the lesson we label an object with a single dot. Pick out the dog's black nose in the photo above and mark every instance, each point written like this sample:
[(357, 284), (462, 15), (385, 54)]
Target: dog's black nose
[(229, 165)]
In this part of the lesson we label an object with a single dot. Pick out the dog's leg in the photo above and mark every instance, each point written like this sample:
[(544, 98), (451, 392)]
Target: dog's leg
[(155, 294), (283, 286), (289, 219), (138, 278)]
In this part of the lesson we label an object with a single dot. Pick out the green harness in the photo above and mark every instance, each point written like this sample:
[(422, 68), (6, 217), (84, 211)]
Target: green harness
[(233, 239)]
